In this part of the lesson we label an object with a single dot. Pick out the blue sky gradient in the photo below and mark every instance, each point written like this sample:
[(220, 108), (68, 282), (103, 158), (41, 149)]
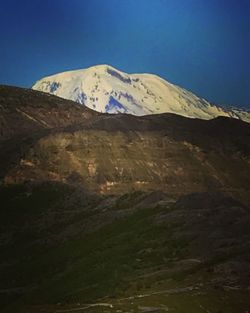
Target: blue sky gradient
[(201, 45)]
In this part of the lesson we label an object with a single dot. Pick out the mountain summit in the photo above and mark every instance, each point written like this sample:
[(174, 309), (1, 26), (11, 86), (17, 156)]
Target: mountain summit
[(106, 89)]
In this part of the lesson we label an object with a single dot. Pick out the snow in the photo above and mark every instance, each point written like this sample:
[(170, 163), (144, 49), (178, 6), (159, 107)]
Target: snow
[(106, 89)]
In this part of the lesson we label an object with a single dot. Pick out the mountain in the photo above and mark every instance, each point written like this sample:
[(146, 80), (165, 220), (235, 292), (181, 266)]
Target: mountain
[(120, 213), (106, 89)]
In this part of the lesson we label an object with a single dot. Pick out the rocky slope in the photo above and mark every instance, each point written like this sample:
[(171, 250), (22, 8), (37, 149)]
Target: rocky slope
[(121, 153), (106, 89)]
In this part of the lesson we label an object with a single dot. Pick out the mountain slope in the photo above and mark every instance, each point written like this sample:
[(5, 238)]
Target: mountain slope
[(23, 111), (62, 250), (115, 154), (119, 213), (106, 89)]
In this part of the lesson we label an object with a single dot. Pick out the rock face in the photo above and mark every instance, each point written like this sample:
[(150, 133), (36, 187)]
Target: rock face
[(121, 153), (106, 89)]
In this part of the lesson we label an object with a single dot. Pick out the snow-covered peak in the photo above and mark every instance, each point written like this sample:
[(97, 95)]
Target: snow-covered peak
[(106, 89)]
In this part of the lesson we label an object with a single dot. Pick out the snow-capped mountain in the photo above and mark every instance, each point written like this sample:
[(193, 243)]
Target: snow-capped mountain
[(106, 89)]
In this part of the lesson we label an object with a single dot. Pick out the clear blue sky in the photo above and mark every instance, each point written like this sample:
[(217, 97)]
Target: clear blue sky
[(202, 45)]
